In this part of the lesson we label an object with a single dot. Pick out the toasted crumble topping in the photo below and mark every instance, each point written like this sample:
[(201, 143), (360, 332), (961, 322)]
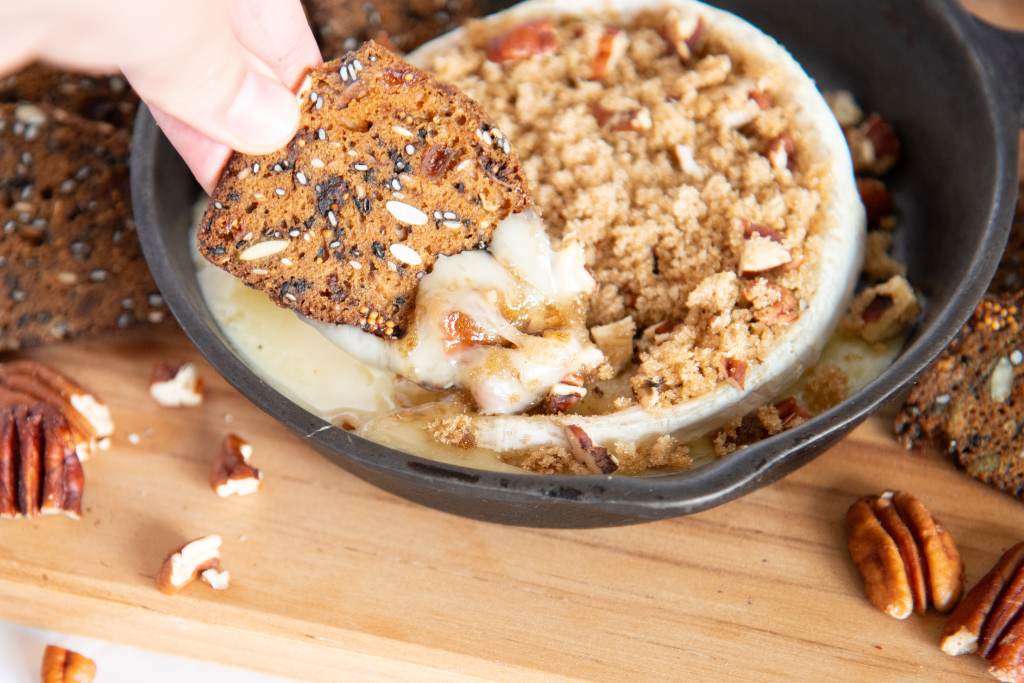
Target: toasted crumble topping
[(660, 169), (453, 430), (827, 386)]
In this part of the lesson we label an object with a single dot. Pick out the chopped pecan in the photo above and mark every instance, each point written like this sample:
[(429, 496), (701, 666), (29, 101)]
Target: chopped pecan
[(611, 45), (885, 310), (907, 559), (562, 398), (750, 229), (761, 254), (874, 146), (687, 35), (590, 455), (232, 474), (791, 413), (66, 666), (634, 120), (781, 151), (876, 198), (187, 563), (536, 37), (175, 385), (736, 371), (616, 342)]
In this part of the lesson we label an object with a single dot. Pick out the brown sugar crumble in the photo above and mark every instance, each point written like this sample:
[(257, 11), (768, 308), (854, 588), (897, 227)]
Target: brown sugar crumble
[(827, 386), (679, 173)]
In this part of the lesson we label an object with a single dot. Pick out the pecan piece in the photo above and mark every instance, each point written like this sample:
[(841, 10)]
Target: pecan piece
[(781, 151), (876, 199), (562, 398), (590, 455), (761, 254), (66, 666), (736, 371), (232, 474), (971, 628), (536, 37), (686, 35), (611, 45), (187, 563), (874, 146), (907, 559), (175, 385)]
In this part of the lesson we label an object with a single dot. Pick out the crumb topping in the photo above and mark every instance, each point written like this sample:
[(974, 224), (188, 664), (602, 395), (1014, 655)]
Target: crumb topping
[(666, 169)]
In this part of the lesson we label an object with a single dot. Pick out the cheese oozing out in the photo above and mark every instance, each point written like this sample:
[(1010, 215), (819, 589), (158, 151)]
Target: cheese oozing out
[(505, 325)]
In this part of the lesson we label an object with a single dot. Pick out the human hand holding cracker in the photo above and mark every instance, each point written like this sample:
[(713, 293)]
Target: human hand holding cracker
[(217, 74)]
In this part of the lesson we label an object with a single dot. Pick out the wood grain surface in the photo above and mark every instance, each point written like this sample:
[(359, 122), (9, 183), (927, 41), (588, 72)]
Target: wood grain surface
[(335, 579)]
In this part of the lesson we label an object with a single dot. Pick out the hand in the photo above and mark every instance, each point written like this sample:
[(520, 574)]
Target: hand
[(217, 74)]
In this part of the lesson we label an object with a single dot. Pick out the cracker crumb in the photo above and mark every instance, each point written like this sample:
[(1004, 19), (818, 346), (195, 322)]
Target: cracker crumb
[(659, 170)]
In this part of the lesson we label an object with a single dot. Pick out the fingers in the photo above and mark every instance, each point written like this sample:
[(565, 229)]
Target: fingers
[(204, 157), (276, 31), (197, 71)]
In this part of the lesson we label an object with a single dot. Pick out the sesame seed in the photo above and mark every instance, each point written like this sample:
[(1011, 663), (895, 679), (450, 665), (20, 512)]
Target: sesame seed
[(356, 265), (155, 300), (294, 232), (255, 167), (285, 261), (301, 177), (320, 103), (218, 205), (452, 224), (343, 73), (357, 64), (410, 149), (405, 254), (313, 97), (450, 216), (277, 168), (321, 134), (99, 275), (505, 147), (316, 163), (404, 132), (332, 218), (484, 137), (361, 167), (280, 192), (334, 245), (396, 185), (127, 303), (68, 186), (290, 297)]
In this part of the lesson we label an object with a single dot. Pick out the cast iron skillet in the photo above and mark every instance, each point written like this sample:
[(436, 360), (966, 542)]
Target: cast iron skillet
[(953, 87)]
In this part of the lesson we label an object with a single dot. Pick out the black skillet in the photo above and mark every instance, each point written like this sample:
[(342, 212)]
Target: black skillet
[(954, 88)]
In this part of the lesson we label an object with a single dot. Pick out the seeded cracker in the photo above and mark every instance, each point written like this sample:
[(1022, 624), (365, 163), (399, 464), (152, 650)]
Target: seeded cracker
[(98, 98), (70, 262), (341, 25), (970, 402), (389, 169)]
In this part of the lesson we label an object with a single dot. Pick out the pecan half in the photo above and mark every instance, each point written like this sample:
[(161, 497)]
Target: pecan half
[(907, 559), (536, 37), (593, 457), (232, 474), (28, 382), (66, 666), (978, 623)]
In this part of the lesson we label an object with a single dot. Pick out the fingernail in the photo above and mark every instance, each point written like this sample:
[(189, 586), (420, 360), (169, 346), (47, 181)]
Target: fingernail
[(263, 116)]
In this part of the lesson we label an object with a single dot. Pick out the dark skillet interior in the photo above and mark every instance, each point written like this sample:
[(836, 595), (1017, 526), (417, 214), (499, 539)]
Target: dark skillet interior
[(918, 62)]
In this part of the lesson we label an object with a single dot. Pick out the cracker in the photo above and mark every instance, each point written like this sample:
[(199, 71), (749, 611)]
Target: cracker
[(390, 169), (970, 401), (98, 98), (70, 263)]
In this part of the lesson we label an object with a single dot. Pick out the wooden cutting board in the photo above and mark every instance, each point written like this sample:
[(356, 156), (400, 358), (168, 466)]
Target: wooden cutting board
[(334, 579), (333, 576)]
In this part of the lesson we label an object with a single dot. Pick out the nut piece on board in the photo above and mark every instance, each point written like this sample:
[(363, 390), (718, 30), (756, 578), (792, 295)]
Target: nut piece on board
[(66, 666), (187, 563), (907, 558), (26, 382), (232, 474), (174, 385), (979, 624), (39, 469)]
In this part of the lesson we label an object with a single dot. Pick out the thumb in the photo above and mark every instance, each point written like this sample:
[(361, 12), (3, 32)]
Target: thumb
[(201, 75)]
